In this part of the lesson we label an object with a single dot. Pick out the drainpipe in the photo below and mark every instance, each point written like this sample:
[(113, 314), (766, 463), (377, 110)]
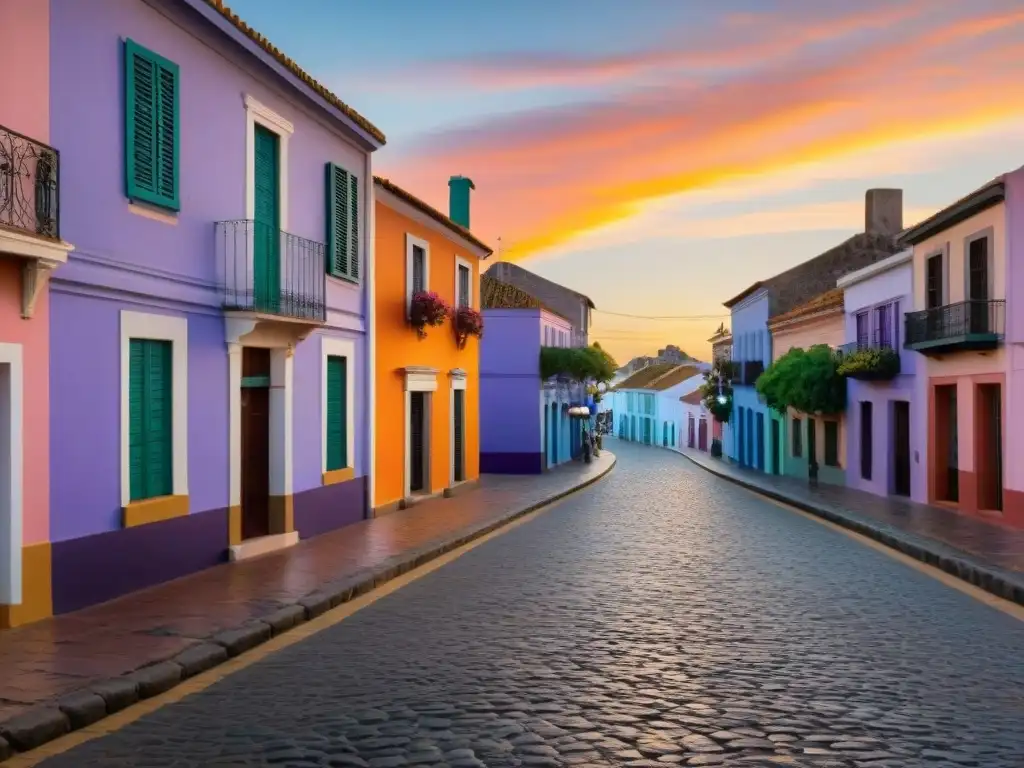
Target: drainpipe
[(371, 336)]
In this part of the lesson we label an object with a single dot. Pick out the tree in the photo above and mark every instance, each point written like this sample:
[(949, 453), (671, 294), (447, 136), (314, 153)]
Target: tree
[(582, 364), (718, 399), (806, 380)]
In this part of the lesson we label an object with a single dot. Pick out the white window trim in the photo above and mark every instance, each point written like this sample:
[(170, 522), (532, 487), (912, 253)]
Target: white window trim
[(458, 379), (335, 347), (410, 242), (461, 262), (417, 379), (142, 325), (11, 508), (259, 114)]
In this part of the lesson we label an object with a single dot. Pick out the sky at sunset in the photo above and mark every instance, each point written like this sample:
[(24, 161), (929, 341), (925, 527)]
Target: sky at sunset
[(661, 155)]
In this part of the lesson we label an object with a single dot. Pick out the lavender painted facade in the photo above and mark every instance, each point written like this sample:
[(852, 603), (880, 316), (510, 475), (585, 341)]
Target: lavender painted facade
[(139, 268), (524, 427), (887, 421)]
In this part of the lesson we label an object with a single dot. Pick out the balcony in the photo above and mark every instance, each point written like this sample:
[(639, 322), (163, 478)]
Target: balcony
[(870, 358), (271, 279), (966, 325), (30, 211)]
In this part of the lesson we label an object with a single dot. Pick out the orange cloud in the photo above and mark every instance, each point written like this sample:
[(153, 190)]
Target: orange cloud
[(545, 176)]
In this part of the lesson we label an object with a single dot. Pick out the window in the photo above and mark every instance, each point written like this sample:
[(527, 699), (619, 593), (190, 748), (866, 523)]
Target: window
[(337, 390), (797, 437), (832, 443), (865, 439), (463, 283), (342, 223), (150, 404), (863, 330), (417, 267), (883, 325), (154, 415), (977, 270), (152, 127)]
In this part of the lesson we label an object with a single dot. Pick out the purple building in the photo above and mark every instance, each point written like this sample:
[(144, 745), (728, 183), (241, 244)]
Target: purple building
[(209, 376), (524, 422), (886, 414)]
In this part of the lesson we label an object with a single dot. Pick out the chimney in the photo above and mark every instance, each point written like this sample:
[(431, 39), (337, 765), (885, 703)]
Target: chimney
[(458, 199), (883, 211)]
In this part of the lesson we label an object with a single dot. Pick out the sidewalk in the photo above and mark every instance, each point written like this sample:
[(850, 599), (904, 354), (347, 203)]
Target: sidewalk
[(69, 671), (987, 555)]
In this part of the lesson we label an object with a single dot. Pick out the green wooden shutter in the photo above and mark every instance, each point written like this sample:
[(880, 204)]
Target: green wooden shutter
[(150, 407), (354, 198), (152, 127), (342, 223), (337, 404)]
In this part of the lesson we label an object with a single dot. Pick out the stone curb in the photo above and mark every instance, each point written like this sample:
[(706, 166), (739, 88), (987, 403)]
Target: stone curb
[(992, 579), (78, 709)]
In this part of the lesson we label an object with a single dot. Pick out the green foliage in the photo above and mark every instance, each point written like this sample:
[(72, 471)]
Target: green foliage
[(710, 392), (576, 363), (870, 364), (807, 380)]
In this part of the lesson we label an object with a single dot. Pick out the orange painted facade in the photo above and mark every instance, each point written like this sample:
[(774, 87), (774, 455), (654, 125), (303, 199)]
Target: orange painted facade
[(398, 347)]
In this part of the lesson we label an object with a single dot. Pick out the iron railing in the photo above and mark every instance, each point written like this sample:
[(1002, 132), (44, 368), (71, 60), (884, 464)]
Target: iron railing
[(878, 340), (967, 322), (29, 185), (271, 272)]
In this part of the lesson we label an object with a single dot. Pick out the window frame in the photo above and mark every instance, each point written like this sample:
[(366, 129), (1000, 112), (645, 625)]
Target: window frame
[(144, 325), (257, 113), (336, 346), (412, 241)]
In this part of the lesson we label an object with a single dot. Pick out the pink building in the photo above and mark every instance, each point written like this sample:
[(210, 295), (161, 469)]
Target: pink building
[(967, 269), (30, 246)]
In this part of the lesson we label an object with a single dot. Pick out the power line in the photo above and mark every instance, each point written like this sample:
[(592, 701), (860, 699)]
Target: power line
[(662, 317)]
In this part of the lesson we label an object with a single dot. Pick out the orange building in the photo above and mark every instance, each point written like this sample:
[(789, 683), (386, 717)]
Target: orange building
[(427, 388)]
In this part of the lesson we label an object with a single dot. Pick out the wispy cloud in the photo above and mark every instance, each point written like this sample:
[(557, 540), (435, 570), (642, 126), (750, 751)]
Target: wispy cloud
[(547, 175), (736, 42)]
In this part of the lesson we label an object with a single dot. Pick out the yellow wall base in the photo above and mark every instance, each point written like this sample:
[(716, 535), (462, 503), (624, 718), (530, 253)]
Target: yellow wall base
[(36, 589)]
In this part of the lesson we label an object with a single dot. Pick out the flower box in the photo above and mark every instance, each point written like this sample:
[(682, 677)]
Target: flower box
[(427, 309)]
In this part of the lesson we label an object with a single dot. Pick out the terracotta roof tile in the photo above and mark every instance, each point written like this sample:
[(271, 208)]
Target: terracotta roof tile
[(645, 376), (673, 377), (296, 70), (432, 212), (692, 398), (825, 302)]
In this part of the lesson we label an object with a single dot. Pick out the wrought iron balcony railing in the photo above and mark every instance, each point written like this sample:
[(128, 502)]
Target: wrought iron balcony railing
[(965, 325), (878, 340), (267, 271), (29, 185)]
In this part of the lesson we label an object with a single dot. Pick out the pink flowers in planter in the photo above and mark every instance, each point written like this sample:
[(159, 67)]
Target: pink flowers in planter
[(466, 322), (427, 308)]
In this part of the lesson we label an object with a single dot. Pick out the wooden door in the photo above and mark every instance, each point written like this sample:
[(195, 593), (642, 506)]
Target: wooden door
[(776, 447), (417, 441), (266, 234), (989, 451), (255, 442), (458, 435), (760, 441), (901, 447), (866, 439), (977, 285), (690, 432), (812, 441), (702, 435)]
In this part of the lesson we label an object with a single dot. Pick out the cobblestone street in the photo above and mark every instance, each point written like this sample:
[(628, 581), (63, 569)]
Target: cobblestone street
[(663, 616)]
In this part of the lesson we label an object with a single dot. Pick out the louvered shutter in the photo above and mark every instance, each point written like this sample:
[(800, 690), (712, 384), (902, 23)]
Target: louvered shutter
[(152, 127), (342, 223), (150, 409), (419, 269), (337, 437)]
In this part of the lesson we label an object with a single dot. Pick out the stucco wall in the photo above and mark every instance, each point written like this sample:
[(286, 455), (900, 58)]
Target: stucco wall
[(24, 60), (510, 386), (398, 346)]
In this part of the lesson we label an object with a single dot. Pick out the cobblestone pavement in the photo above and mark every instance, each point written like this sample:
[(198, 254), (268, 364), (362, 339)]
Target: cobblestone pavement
[(663, 616)]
